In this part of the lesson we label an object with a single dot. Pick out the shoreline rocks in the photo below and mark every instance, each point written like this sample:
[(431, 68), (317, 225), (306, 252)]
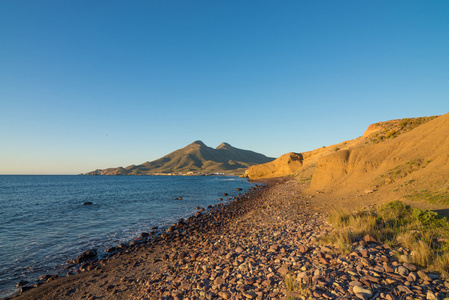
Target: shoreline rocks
[(84, 257), (262, 245)]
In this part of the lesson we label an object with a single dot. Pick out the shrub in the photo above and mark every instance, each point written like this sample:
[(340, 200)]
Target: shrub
[(396, 224), (391, 134)]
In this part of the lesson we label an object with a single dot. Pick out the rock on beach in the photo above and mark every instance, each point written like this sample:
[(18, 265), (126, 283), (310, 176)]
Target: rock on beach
[(263, 245)]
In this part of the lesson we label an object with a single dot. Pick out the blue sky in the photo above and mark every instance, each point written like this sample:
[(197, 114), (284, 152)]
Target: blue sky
[(97, 84)]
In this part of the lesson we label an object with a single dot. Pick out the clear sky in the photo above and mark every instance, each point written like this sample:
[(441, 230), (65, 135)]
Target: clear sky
[(97, 84)]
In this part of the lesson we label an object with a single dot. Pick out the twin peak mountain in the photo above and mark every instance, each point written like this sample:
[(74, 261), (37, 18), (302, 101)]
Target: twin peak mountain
[(194, 158)]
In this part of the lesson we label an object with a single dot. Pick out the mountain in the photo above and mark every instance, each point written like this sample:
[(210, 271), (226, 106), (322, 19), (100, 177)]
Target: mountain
[(196, 157)]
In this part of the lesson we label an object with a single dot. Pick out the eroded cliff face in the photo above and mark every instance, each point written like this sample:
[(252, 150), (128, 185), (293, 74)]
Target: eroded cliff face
[(372, 128), (282, 166), (357, 163), (420, 156)]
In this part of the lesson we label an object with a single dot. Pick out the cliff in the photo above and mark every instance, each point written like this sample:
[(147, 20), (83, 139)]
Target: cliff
[(304, 168), (419, 158), (286, 164)]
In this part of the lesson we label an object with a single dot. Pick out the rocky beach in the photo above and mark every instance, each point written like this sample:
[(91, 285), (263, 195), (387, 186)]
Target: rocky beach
[(264, 244), (224, 150)]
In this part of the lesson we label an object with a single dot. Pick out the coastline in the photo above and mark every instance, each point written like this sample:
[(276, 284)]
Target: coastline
[(46, 222), (155, 242), (254, 247), (82, 263)]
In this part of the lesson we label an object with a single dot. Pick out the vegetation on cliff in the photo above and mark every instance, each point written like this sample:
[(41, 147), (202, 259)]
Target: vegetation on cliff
[(381, 131)]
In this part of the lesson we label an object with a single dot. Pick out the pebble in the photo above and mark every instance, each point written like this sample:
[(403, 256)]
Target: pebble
[(431, 296), (249, 294), (252, 246), (358, 289), (423, 276), (410, 267), (402, 271), (224, 295)]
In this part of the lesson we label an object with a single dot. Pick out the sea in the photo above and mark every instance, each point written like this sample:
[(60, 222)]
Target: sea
[(43, 222)]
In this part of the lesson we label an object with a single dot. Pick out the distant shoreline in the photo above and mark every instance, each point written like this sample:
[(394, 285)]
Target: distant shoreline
[(165, 174)]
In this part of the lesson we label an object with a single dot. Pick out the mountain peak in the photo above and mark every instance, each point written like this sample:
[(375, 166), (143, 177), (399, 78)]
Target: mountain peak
[(196, 157), (224, 146), (198, 143)]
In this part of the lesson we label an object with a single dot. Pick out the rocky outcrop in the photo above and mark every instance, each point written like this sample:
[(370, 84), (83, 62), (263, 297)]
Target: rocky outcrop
[(372, 128), (286, 164)]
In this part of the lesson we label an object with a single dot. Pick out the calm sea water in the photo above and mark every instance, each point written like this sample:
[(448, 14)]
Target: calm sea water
[(43, 222)]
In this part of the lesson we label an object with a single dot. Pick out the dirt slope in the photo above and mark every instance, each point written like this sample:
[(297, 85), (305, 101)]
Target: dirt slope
[(420, 156), (406, 159), (376, 134)]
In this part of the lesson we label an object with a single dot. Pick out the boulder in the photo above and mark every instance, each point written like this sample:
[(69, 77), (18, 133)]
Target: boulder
[(283, 166), (369, 239), (25, 288), (85, 256), (424, 276), (22, 283)]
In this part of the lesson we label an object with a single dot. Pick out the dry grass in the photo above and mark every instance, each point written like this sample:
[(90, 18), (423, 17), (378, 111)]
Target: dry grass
[(291, 283), (299, 287), (348, 226), (396, 224), (422, 253), (441, 264), (426, 251)]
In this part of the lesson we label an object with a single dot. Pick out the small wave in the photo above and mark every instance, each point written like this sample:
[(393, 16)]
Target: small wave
[(126, 208)]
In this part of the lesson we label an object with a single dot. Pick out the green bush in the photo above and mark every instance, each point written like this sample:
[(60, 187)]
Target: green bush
[(426, 217), (393, 211)]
